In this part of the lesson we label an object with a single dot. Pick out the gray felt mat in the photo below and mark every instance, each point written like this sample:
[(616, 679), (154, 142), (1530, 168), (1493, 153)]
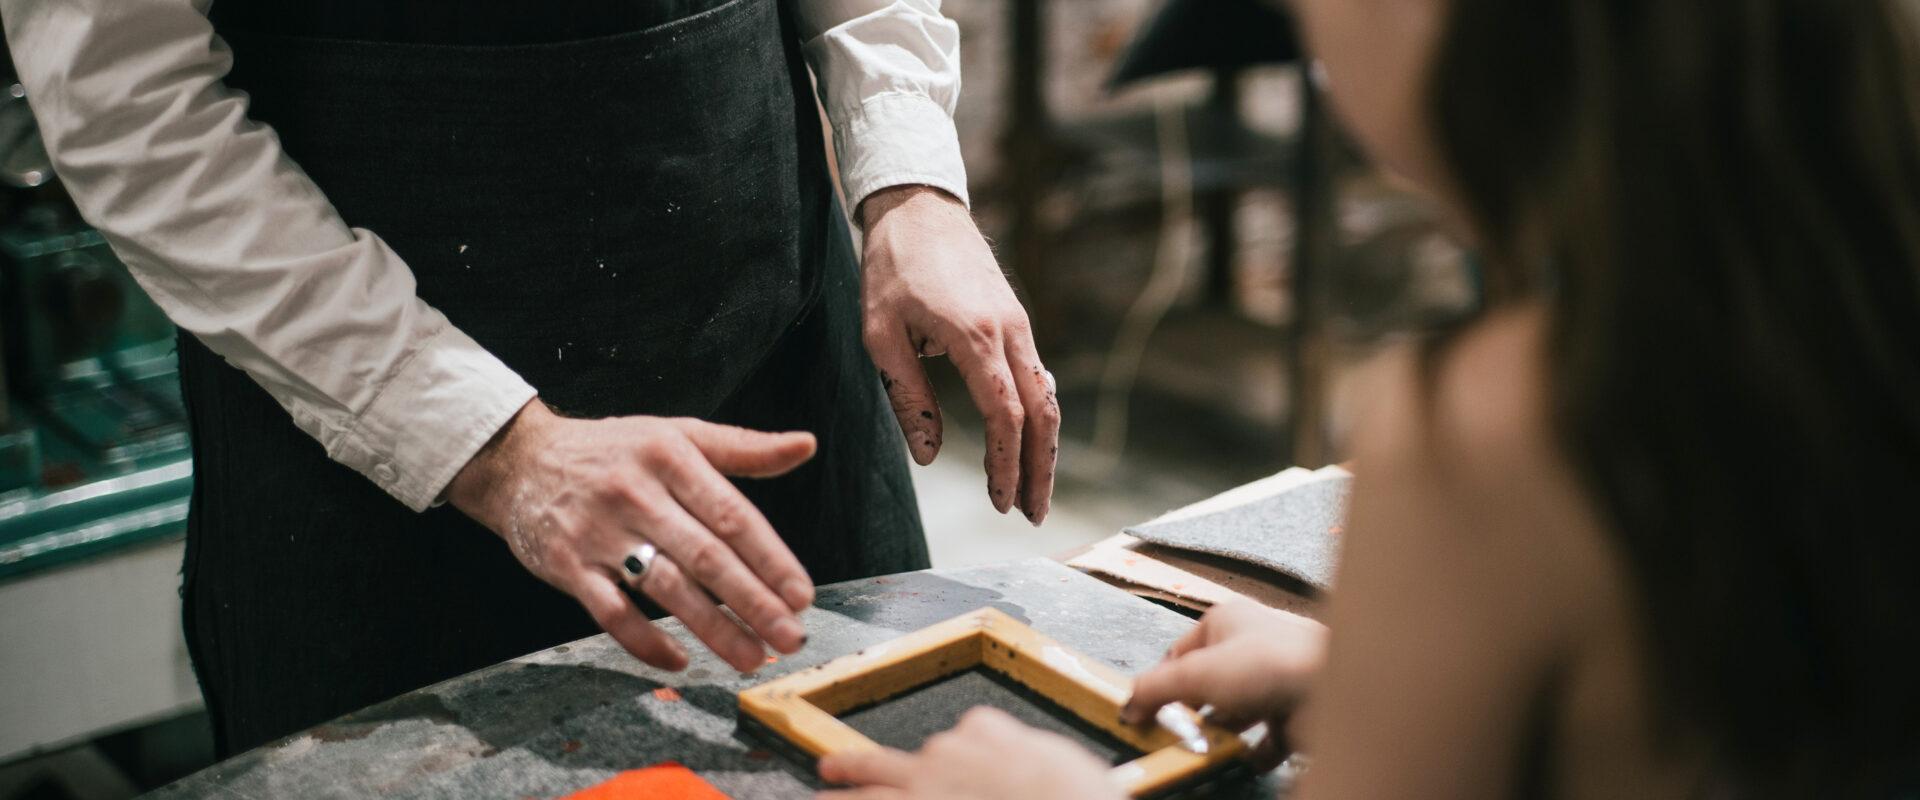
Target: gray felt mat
[(906, 721), (1295, 532)]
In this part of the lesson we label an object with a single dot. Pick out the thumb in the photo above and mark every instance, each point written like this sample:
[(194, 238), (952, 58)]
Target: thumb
[(746, 453)]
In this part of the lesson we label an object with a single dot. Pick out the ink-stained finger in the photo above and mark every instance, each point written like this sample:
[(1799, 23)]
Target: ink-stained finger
[(720, 507), (894, 352), (982, 361), (1178, 680), (883, 766), (1195, 638), (1040, 441), (668, 586), (1213, 628), (617, 615)]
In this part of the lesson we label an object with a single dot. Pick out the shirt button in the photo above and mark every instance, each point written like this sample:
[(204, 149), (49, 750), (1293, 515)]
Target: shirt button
[(384, 473)]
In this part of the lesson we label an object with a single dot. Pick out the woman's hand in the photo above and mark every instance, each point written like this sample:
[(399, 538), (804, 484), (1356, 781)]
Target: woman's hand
[(988, 756), (573, 497), (930, 286), (1250, 662)]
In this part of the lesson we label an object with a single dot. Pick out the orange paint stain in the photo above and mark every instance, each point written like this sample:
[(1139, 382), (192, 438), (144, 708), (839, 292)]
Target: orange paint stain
[(667, 694)]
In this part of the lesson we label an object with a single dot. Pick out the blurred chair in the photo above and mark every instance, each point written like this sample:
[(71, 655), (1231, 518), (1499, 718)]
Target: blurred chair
[(1223, 38)]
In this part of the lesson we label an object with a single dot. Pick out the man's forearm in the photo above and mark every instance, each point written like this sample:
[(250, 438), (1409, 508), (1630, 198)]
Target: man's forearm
[(242, 250)]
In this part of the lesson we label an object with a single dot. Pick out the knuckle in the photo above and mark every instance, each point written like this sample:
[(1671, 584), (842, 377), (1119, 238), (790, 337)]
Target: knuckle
[(1017, 324), (649, 512), (657, 453), (628, 493), (1047, 412), (729, 521), (875, 333), (664, 579), (614, 486), (763, 609), (1009, 412), (983, 332), (707, 561)]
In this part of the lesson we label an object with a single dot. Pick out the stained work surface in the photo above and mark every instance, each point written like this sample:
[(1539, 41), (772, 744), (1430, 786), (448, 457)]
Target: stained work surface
[(908, 720), (562, 720)]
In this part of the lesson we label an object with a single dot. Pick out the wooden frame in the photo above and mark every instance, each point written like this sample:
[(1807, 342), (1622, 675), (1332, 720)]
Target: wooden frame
[(801, 708)]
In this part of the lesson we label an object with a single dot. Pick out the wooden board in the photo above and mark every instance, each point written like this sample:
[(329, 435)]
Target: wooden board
[(1192, 580), (800, 707)]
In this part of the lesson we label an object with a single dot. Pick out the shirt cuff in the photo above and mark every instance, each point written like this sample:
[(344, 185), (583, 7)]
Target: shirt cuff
[(897, 139), (443, 405)]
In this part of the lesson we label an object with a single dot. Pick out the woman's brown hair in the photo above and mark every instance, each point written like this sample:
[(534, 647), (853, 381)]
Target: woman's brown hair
[(1719, 203)]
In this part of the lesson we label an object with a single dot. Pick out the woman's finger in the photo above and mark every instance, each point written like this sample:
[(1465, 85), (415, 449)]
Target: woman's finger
[(982, 361), (617, 615), (668, 586), (1190, 679), (1040, 441), (914, 405), (712, 564), (882, 766), (719, 506), (1195, 638)]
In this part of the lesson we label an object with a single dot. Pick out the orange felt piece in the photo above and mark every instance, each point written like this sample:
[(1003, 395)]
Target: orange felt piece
[(664, 781)]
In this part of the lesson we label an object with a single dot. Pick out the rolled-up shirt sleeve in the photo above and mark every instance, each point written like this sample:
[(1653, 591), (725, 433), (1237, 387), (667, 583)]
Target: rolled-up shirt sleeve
[(242, 250), (888, 74)]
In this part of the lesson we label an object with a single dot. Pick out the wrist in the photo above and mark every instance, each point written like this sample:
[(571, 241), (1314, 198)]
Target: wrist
[(910, 196), (475, 486)]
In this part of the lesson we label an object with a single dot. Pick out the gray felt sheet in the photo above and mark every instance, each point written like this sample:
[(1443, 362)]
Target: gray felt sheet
[(1295, 532), (907, 721)]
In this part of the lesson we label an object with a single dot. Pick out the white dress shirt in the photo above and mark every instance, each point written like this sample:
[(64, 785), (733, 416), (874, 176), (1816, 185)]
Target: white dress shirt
[(243, 250)]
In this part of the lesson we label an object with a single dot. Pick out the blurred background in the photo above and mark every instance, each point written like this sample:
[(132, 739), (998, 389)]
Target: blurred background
[(1204, 255)]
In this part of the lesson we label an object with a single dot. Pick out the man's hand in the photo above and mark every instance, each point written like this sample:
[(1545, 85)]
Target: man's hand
[(573, 497), (1250, 662), (988, 756), (930, 287)]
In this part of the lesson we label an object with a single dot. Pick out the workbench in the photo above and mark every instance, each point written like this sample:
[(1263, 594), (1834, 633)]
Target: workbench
[(557, 721)]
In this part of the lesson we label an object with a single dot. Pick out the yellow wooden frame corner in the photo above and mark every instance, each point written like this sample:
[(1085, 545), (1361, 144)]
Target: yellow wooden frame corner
[(801, 707)]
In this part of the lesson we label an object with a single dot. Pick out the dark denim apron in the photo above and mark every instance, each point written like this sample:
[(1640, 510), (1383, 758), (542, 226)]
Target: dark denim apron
[(639, 222)]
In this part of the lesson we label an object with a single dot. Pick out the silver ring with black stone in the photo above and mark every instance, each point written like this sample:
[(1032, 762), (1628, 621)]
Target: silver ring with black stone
[(638, 561)]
